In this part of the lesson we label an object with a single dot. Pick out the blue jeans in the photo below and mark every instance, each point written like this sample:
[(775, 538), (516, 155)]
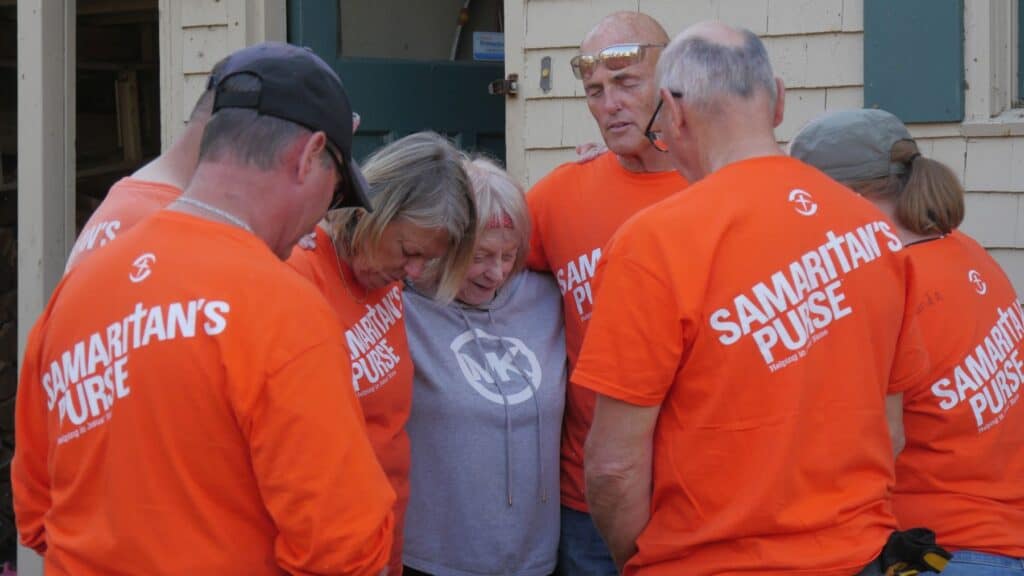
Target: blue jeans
[(872, 569), (971, 563), (581, 549)]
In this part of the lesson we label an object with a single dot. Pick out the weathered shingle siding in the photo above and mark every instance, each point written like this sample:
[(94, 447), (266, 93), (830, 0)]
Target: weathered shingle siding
[(816, 47)]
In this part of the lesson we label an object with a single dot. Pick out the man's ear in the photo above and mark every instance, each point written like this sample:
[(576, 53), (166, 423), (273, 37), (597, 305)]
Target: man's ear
[(310, 154), (673, 115), (780, 102)]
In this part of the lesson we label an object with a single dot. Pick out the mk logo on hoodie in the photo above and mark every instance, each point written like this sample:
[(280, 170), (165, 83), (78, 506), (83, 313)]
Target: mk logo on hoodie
[(500, 369)]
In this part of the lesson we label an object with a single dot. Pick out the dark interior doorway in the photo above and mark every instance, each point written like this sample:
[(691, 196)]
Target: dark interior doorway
[(117, 130)]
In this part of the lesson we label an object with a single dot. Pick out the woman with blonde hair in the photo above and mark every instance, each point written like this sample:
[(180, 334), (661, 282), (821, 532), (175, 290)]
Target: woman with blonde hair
[(959, 429), (423, 217), (489, 389)]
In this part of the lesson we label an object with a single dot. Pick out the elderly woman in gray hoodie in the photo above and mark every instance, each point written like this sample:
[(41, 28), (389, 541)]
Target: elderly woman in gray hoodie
[(488, 394)]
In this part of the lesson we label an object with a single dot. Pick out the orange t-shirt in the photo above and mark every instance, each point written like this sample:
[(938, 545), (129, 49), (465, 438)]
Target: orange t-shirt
[(962, 470), (575, 210), (126, 204), (184, 408), (374, 327), (763, 309)]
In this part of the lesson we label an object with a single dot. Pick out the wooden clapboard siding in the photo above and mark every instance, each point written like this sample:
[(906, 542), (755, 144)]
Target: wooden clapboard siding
[(194, 35), (818, 48)]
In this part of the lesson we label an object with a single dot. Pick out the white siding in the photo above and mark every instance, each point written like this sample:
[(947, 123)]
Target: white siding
[(817, 49), (195, 35), (815, 45)]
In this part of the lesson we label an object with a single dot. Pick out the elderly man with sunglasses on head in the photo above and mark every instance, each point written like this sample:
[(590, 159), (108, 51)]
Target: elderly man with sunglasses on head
[(577, 208)]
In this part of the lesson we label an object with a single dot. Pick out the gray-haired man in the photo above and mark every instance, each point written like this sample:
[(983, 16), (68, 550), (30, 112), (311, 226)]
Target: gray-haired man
[(742, 343)]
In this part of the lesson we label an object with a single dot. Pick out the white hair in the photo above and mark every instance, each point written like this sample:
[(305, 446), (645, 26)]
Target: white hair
[(498, 196), (703, 71)]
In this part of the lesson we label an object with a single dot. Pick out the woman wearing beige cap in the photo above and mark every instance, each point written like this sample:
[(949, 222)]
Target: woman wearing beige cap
[(960, 441)]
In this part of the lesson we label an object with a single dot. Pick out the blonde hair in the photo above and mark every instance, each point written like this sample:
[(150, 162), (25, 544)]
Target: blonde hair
[(929, 198), (498, 196), (420, 179)]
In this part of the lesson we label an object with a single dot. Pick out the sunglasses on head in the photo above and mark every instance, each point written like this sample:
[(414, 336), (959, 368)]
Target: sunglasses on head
[(614, 57)]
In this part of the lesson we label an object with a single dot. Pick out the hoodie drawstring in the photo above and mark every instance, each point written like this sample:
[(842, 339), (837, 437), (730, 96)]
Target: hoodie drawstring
[(504, 398), (508, 412), (540, 429)]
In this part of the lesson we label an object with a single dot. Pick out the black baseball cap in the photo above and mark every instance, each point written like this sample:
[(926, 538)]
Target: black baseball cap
[(296, 85)]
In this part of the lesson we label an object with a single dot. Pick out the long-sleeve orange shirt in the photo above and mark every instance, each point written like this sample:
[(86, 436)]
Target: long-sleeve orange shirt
[(186, 407)]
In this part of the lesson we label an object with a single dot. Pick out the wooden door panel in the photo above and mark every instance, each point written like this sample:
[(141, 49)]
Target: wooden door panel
[(398, 97)]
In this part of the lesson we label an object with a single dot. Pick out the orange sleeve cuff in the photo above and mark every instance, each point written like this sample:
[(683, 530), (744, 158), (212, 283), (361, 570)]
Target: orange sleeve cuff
[(614, 390)]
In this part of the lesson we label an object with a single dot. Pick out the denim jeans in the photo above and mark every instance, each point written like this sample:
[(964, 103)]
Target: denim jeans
[(970, 563), (872, 569), (580, 547)]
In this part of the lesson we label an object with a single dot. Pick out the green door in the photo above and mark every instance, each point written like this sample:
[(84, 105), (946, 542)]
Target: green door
[(395, 97)]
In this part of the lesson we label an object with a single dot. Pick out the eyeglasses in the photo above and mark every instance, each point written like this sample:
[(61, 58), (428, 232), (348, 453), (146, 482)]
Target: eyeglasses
[(339, 188), (613, 57), (654, 136)]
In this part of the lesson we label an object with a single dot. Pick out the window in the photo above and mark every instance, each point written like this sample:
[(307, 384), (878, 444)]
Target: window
[(992, 58), (914, 59), (1019, 99)]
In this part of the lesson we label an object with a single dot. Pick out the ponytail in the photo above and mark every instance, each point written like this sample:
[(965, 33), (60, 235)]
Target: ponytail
[(931, 200)]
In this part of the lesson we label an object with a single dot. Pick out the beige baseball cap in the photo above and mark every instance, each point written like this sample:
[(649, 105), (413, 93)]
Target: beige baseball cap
[(851, 145)]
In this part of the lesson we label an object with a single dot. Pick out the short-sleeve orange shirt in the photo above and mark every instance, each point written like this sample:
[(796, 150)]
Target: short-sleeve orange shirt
[(763, 309), (128, 202), (374, 327), (962, 470), (185, 407), (575, 210)]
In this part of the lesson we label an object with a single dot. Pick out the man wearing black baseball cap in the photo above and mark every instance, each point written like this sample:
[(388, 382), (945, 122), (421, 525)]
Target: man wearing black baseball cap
[(184, 406), (324, 105)]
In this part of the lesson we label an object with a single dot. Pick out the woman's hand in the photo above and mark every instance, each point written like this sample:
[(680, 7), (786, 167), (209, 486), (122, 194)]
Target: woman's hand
[(588, 151)]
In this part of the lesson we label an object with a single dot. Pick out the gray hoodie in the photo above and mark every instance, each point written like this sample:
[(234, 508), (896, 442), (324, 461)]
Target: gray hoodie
[(485, 427)]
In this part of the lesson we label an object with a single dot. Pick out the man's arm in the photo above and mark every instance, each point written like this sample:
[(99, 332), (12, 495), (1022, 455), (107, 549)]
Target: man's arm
[(617, 460), (894, 417), (536, 203), (316, 470), (30, 479)]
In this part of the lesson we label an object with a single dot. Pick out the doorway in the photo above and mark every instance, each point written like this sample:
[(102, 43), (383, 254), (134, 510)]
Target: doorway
[(411, 66)]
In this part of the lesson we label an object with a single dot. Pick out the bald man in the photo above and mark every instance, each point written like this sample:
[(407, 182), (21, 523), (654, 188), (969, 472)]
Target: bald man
[(742, 345), (577, 208)]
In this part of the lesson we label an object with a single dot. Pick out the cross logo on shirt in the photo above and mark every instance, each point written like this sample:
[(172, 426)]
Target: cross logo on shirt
[(979, 285), (142, 267), (804, 202)]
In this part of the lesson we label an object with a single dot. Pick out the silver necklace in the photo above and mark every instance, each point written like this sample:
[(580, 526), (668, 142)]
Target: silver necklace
[(214, 210)]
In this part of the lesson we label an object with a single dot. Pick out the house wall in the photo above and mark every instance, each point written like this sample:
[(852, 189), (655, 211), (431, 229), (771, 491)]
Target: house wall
[(817, 48), (195, 35)]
